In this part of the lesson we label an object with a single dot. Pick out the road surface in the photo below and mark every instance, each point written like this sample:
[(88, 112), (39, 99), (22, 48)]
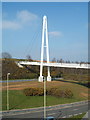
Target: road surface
[(17, 80), (59, 111)]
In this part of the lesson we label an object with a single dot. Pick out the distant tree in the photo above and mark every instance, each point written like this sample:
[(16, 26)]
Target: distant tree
[(29, 57), (82, 62), (77, 62), (54, 59), (6, 55), (67, 61), (44, 60), (57, 61), (61, 60)]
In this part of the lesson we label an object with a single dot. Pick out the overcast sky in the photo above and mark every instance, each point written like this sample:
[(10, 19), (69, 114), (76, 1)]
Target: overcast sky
[(67, 27)]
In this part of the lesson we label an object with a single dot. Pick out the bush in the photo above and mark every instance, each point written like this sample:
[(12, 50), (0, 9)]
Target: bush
[(60, 93), (33, 91), (68, 93), (51, 91)]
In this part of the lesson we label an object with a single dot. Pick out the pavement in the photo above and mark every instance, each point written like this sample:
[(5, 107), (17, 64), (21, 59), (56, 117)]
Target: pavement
[(57, 111)]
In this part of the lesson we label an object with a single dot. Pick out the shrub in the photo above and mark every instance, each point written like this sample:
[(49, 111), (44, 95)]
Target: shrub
[(33, 91), (68, 93), (60, 93), (51, 91)]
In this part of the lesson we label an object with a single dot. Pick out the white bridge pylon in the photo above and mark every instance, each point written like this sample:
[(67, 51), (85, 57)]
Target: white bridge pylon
[(44, 45), (49, 64)]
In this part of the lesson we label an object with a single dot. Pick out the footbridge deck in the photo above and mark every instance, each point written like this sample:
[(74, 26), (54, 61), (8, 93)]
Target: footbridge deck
[(63, 65)]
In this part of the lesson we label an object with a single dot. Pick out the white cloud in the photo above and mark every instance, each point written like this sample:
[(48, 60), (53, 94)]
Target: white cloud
[(10, 25), (55, 34), (22, 17), (26, 16)]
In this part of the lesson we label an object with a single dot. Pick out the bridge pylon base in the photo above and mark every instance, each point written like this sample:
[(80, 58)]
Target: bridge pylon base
[(40, 79), (48, 78)]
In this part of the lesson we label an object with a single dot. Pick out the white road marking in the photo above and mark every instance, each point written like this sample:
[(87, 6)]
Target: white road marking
[(51, 113), (75, 109), (80, 113), (64, 117), (75, 114), (70, 115)]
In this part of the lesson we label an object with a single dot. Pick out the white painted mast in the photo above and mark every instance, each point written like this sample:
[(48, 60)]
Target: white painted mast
[(44, 36)]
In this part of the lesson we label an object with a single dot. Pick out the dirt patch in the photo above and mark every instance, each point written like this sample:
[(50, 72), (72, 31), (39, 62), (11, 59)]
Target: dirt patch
[(20, 86), (84, 94), (62, 85), (23, 85)]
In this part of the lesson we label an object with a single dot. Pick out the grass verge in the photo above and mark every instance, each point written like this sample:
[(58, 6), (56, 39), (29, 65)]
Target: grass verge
[(17, 100)]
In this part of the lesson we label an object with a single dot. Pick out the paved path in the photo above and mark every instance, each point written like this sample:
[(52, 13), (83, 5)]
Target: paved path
[(18, 80)]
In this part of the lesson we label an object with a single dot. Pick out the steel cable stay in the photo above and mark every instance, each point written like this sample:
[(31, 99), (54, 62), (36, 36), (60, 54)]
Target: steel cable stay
[(31, 43), (35, 44)]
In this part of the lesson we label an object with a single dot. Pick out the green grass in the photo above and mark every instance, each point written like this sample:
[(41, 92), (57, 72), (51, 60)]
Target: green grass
[(73, 81), (79, 116), (17, 100)]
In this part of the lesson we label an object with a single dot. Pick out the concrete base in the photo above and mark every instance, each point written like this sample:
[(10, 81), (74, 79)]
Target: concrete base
[(48, 78), (40, 79)]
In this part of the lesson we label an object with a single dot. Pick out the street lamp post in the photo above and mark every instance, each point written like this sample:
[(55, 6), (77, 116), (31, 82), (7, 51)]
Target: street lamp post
[(44, 98), (7, 91)]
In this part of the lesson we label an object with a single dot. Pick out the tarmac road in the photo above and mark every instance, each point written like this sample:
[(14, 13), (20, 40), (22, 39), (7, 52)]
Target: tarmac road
[(58, 111)]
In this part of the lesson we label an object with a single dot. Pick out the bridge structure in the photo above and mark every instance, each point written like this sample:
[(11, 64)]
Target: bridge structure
[(48, 63)]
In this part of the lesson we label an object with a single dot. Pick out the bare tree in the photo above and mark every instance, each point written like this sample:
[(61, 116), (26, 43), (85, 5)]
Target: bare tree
[(29, 57), (54, 59), (61, 60), (57, 61), (67, 61), (6, 55)]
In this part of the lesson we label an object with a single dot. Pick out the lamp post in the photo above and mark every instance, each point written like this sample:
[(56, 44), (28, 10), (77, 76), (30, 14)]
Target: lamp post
[(7, 91), (44, 98)]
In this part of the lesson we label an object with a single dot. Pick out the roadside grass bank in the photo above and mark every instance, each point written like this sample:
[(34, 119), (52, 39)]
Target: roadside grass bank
[(82, 82), (18, 100)]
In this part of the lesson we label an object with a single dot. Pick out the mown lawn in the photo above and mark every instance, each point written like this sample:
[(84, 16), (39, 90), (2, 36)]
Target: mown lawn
[(17, 99)]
